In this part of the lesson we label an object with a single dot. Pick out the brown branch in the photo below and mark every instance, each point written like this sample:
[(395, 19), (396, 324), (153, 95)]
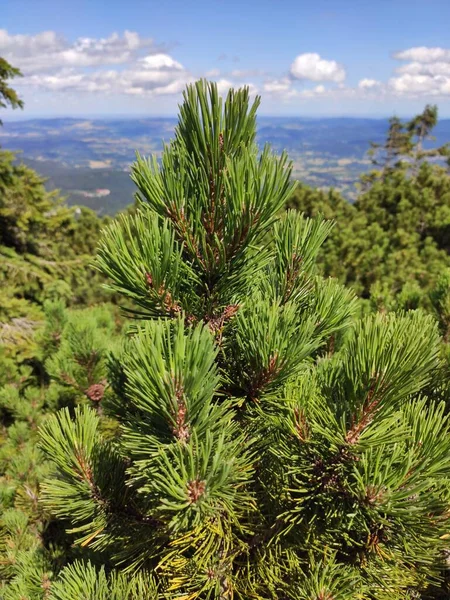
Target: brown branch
[(68, 380), (292, 273), (171, 306), (216, 324), (181, 225), (301, 425), (86, 474), (209, 220), (239, 238), (267, 375), (368, 412), (181, 429)]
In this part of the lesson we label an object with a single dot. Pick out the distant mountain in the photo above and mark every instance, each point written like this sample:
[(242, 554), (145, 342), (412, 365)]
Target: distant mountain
[(82, 156)]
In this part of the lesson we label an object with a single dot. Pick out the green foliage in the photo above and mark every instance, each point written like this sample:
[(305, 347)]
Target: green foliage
[(392, 245), (8, 96), (45, 247), (266, 443), (84, 581), (45, 254), (248, 436), (440, 301), (33, 546)]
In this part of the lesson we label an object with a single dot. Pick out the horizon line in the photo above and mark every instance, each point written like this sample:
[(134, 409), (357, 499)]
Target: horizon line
[(21, 117)]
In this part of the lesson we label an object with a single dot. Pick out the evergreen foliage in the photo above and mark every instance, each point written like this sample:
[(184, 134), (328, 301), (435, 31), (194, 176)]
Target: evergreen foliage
[(268, 444), (33, 546), (392, 245), (8, 96), (45, 247), (45, 253)]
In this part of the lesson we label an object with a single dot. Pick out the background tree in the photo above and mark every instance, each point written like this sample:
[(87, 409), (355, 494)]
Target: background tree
[(50, 357), (397, 146), (393, 243), (8, 96)]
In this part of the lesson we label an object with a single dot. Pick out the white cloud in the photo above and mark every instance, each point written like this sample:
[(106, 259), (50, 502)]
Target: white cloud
[(252, 88), (128, 64), (174, 87), (277, 86), (368, 84), (49, 62), (129, 81), (223, 85), (311, 66), (420, 85), (416, 68), (427, 73), (284, 91), (121, 64), (26, 45), (47, 51), (424, 54), (319, 90), (160, 61)]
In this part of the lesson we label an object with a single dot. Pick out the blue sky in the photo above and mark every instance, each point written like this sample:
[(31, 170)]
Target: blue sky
[(322, 57)]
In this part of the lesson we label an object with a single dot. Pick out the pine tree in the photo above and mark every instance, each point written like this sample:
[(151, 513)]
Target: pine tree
[(393, 244), (8, 96), (268, 445), (45, 246), (396, 148), (33, 545), (422, 125), (45, 250)]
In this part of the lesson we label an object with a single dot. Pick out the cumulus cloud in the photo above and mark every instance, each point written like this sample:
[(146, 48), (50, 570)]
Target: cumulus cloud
[(315, 68), (319, 90), (283, 90), (50, 62), (223, 85), (424, 54), (26, 45), (160, 61), (47, 51), (128, 64), (416, 68), (368, 84), (133, 81), (420, 85), (306, 67), (277, 86), (426, 74), (117, 64)]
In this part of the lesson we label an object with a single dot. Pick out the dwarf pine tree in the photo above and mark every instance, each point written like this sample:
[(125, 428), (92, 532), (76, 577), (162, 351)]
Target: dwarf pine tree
[(65, 365), (268, 445)]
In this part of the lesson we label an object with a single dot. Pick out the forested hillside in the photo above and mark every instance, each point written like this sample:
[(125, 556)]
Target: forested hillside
[(239, 387), (81, 156)]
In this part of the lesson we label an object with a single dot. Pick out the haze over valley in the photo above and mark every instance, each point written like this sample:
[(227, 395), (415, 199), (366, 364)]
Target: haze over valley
[(89, 159)]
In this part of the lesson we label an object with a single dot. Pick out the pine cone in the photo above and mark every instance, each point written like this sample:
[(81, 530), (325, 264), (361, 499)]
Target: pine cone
[(95, 392)]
